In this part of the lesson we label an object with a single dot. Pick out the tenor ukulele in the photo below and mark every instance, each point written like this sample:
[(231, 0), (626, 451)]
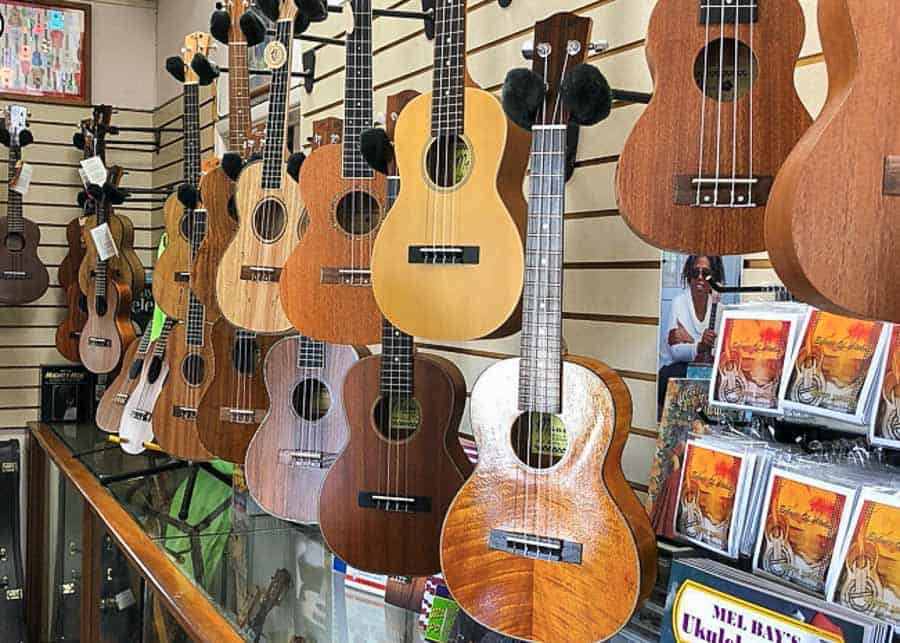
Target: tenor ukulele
[(137, 424), (818, 234), (546, 541), (455, 234), (326, 285), (117, 394), (23, 277), (269, 208), (697, 169), (108, 329)]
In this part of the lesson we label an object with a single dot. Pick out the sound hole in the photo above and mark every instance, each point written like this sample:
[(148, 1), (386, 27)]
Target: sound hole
[(101, 306), (397, 416), (192, 226), (193, 369), (82, 304), (448, 161), (358, 213), (311, 400), (244, 354), (539, 439), (728, 67), (269, 220), (15, 242)]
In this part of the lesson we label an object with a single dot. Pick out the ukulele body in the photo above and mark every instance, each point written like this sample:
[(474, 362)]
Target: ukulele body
[(68, 333), (237, 385), (138, 416), (661, 157), (118, 268), (117, 394), (112, 327), (282, 485), (247, 281), (67, 273), (190, 373), (429, 464), (216, 190), (323, 307), (819, 235), (130, 256), (485, 210), (171, 274), (18, 253), (583, 499)]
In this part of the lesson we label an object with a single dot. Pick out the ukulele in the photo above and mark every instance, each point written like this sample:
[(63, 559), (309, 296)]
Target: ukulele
[(696, 171), (67, 273), (137, 423), (455, 234), (23, 278), (326, 284), (547, 520), (68, 333), (818, 235), (108, 329), (185, 227), (269, 207), (117, 394)]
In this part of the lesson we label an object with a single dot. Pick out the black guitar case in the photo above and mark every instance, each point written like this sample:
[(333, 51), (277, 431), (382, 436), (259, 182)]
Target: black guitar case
[(120, 614), (67, 582), (12, 593)]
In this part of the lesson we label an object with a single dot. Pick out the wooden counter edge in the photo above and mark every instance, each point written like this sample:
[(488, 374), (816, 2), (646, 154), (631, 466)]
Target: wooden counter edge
[(184, 600)]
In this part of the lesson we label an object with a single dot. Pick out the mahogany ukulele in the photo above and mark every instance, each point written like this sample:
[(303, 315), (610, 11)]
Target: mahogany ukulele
[(696, 171), (833, 221), (326, 284), (547, 520), (117, 394), (269, 207), (137, 423), (23, 277), (455, 234)]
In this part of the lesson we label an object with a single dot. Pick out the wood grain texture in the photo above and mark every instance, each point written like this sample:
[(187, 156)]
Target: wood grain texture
[(832, 228), (257, 305), (584, 498), (67, 273), (130, 255), (68, 333), (290, 491), (230, 388), (177, 435), (138, 417), (216, 190), (115, 326), (171, 295), (434, 301), (392, 542), (22, 291), (334, 313), (117, 394), (120, 267), (665, 142)]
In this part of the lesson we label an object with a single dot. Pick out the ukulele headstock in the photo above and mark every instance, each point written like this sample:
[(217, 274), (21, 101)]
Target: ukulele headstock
[(287, 10), (395, 104), (236, 9), (195, 43), (100, 126), (16, 117), (560, 44)]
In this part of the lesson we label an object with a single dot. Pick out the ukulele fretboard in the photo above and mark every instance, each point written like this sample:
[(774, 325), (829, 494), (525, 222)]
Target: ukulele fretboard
[(358, 91), (397, 360), (273, 154), (192, 133), (14, 219), (448, 91), (238, 97), (310, 353)]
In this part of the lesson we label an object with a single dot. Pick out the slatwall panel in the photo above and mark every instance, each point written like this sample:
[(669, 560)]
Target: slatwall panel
[(611, 302)]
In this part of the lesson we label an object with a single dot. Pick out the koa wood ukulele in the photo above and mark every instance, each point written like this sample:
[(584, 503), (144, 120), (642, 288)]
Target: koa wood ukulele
[(546, 541), (455, 234), (696, 171), (326, 284), (269, 207), (833, 221), (23, 277)]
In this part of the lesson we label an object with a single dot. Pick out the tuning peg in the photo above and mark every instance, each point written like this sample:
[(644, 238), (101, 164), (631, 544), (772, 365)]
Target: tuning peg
[(528, 49), (598, 47), (175, 67), (220, 25)]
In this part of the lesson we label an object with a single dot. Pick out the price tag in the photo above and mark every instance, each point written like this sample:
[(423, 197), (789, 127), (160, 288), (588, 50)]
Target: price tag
[(94, 170), (23, 182), (103, 241), (125, 599)]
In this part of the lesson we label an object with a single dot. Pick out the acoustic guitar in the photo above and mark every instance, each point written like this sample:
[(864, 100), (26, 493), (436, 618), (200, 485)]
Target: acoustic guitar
[(23, 277), (818, 235), (117, 394), (546, 541), (697, 169), (269, 207), (137, 424), (326, 284), (455, 234)]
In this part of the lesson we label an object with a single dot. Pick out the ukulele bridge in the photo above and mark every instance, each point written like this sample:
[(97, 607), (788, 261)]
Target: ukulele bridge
[(100, 341), (306, 459), (241, 416), (533, 546), (260, 273), (722, 192), (121, 398), (892, 176), (14, 275), (184, 412), (346, 277), (141, 415), (400, 504), (182, 277), (441, 255)]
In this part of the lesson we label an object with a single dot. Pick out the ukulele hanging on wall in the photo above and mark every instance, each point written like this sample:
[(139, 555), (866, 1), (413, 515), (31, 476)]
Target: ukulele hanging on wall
[(546, 541), (696, 171), (833, 221)]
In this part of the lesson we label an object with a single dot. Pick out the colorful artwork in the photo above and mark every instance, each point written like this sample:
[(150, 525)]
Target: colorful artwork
[(886, 423), (44, 51)]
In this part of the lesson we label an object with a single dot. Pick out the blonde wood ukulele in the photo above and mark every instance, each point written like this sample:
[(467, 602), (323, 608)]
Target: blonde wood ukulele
[(269, 207), (546, 541)]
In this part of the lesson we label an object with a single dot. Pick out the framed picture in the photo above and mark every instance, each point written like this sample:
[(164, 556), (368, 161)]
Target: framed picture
[(45, 51)]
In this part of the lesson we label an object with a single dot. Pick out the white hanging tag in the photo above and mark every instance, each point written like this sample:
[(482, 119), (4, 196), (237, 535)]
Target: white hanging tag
[(23, 181), (104, 242), (95, 170)]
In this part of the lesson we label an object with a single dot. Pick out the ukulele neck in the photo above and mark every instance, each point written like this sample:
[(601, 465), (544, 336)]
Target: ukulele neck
[(14, 219), (310, 353), (238, 97), (540, 375), (358, 91), (397, 361), (192, 133), (448, 92), (196, 319), (279, 94), (163, 340), (144, 345)]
